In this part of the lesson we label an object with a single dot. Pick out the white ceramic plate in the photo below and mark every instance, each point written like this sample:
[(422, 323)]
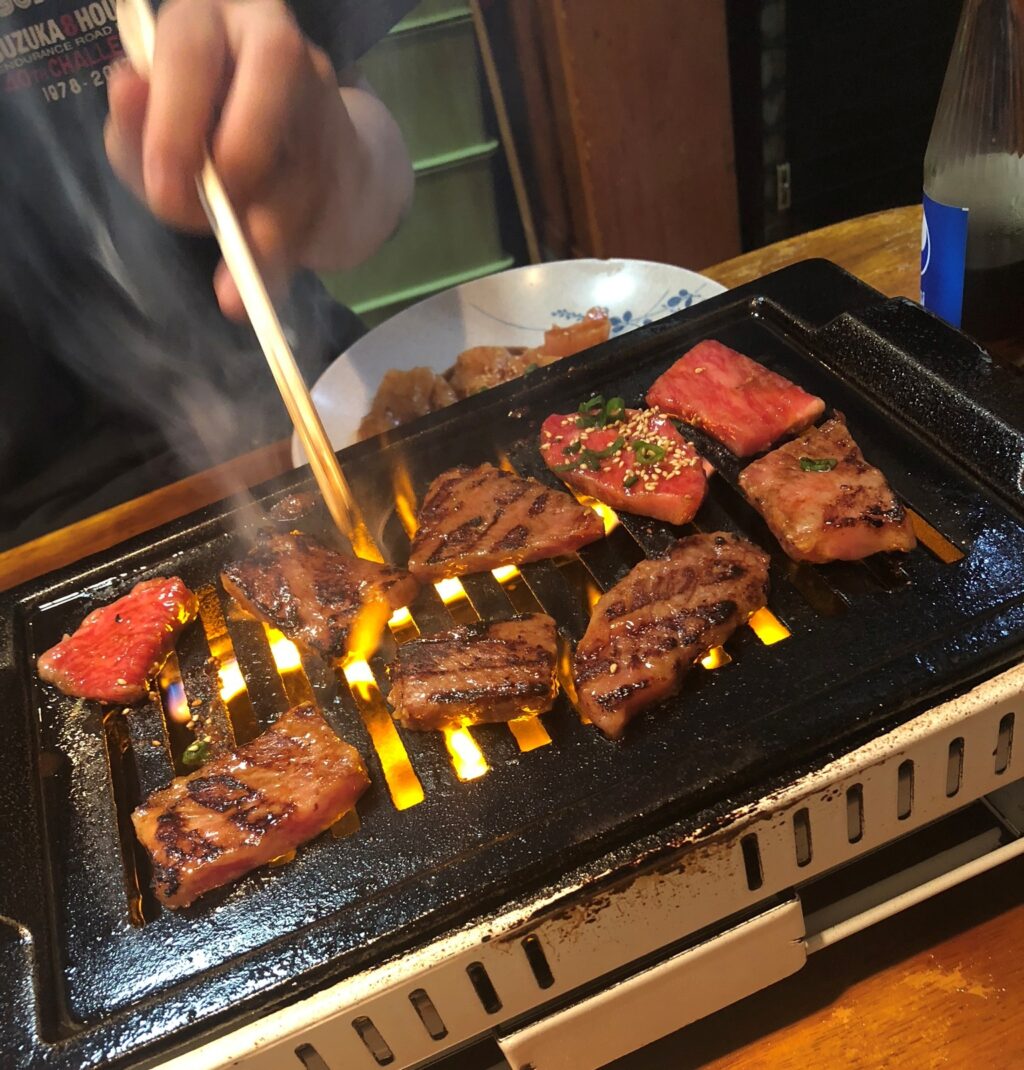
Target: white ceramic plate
[(511, 308)]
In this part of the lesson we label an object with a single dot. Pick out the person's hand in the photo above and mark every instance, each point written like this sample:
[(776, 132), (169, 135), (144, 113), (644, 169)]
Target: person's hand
[(238, 77)]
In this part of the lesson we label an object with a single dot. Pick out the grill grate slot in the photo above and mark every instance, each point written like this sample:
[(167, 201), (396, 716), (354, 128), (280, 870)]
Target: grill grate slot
[(376, 1045), (855, 813), (955, 766), (484, 987), (1004, 743)]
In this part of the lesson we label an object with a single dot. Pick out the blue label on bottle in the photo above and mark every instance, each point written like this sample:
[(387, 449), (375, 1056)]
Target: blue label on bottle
[(943, 259)]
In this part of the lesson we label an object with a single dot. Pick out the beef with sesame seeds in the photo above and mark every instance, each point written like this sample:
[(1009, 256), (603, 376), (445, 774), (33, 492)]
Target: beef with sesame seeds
[(648, 630), (823, 501), (475, 519), (245, 808), (637, 462)]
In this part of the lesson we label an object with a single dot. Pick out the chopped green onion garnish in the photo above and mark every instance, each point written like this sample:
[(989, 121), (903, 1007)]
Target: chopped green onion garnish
[(531, 368), (573, 447), (648, 452), (818, 464), (196, 753), (630, 479), (614, 410)]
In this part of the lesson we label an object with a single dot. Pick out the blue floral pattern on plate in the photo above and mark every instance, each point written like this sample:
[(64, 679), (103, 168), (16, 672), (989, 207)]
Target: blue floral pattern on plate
[(628, 319)]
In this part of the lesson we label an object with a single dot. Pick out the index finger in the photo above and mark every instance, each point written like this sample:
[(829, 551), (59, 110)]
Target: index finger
[(186, 85)]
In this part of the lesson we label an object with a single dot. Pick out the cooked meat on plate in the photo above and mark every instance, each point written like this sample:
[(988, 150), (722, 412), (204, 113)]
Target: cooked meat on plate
[(490, 671), (314, 594), (823, 501), (649, 628), (404, 395), (475, 519), (245, 808), (634, 460), (119, 647), (733, 398)]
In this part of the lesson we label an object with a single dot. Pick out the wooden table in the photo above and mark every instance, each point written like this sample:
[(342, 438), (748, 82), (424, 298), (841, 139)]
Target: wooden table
[(939, 986)]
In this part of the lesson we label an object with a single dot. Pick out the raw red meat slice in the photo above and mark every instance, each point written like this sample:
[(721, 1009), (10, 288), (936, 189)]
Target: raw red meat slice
[(823, 501), (733, 398), (121, 646), (649, 468), (245, 808)]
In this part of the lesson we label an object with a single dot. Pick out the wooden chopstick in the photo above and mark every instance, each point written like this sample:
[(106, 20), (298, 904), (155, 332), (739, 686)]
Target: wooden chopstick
[(138, 32)]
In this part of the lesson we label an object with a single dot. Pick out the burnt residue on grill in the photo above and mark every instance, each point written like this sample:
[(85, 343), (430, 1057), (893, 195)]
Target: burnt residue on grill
[(118, 979)]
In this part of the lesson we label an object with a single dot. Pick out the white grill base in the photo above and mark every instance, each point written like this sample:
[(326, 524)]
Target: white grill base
[(414, 1009)]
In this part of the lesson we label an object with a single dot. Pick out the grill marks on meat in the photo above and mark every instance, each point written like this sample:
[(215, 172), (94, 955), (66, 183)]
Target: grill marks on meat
[(119, 647), (733, 398), (842, 514), (245, 808), (315, 595), (649, 628), (475, 519), (491, 671)]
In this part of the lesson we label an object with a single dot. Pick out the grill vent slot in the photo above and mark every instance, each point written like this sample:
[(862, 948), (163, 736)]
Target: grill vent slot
[(484, 987), (538, 962), (955, 766), (376, 1045), (802, 836), (855, 813), (905, 790), (1004, 743), (432, 1021), (752, 861), (310, 1058)]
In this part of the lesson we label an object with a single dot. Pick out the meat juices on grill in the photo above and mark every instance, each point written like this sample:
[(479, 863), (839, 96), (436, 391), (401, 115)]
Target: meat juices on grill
[(490, 671), (823, 501), (649, 628), (121, 646), (243, 809), (743, 404), (475, 519), (313, 594)]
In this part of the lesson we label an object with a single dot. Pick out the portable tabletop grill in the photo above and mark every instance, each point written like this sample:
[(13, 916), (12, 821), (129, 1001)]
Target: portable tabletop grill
[(536, 882)]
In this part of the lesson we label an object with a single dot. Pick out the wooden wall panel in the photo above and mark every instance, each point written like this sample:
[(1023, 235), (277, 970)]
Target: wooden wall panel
[(640, 97)]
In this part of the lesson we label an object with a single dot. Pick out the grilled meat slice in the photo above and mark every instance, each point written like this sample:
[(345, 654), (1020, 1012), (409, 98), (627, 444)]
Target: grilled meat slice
[(403, 396), (733, 398), (823, 501), (652, 626), (475, 519), (243, 809), (491, 671), (119, 647), (640, 464), (313, 594)]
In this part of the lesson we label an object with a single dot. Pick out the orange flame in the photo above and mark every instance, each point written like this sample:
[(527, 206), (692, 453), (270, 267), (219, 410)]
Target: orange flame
[(403, 783), (767, 627), (715, 658), (467, 758)]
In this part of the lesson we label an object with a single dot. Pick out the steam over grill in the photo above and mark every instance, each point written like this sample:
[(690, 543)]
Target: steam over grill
[(456, 824)]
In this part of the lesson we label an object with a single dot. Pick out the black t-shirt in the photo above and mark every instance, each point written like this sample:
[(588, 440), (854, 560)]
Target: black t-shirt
[(119, 372)]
